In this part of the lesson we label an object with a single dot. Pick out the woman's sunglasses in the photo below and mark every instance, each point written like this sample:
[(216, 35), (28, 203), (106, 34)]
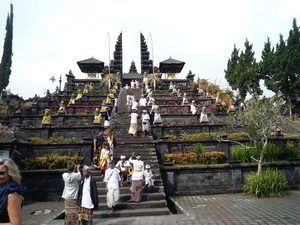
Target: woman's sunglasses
[(2, 172)]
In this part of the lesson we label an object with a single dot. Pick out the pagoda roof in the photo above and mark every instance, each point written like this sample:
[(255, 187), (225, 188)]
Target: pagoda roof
[(171, 66), (91, 65)]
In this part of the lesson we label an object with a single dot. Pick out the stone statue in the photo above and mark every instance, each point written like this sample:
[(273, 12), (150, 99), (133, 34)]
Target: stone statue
[(62, 109), (108, 100), (48, 95), (103, 106), (171, 87), (18, 109), (91, 87), (79, 95), (46, 118), (35, 100), (178, 93), (154, 107), (184, 99), (97, 117), (174, 91), (72, 100), (86, 89), (157, 117), (193, 107), (203, 116)]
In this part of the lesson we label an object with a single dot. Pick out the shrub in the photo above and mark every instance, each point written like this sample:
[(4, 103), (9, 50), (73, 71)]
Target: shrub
[(195, 158), (267, 183), (272, 153), (291, 151), (50, 161), (244, 153), (238, 135), (198, 136)]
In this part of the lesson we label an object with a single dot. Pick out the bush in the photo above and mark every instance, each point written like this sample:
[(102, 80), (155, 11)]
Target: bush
[(244, 153), (50, 161), (238, 135), (198, 136), (291, 151), (190, 158), (267, 183)]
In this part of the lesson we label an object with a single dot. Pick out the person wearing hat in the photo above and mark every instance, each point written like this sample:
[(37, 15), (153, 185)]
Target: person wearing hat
[(137, 178), (87, 199), (112, 182), (123, 165), (145, 123), (71, 180), (133, 123), (149, 182)]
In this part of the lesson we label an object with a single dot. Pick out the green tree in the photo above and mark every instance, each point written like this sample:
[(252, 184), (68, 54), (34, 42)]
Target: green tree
[(280, 69), (6, 61), (259, 121), (242, 72), (266, 67)]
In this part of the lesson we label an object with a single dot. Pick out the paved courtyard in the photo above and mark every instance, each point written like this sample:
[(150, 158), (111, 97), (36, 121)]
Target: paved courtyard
[(225, 209)]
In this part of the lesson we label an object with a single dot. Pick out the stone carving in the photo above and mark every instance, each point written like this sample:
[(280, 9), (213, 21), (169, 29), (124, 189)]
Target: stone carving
[(157, 117), (18, 109), (86, 89), (35, 100), (203, 116), (79, 95), (62, 108), (91, 87), (178, 93), (72, 100), (97, 117), (184, 99), (171, 87), (193, 107), (46, 118)]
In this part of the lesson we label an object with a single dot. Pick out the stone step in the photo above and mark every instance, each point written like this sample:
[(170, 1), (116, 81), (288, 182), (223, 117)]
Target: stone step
[(133, 212), (126, 186), (145, 197), (132, 205)]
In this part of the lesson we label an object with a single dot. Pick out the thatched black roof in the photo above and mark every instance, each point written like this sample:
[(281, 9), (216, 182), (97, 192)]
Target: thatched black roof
[(91, 65), (171, 66)]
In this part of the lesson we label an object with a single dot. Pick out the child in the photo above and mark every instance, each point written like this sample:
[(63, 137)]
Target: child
[(149, 181)]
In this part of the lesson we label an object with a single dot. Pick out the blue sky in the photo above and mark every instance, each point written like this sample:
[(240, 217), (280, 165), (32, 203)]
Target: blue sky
[(50, 36)]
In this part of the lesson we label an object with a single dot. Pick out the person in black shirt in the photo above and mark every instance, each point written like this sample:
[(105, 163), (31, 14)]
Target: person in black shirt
[(98, 144)]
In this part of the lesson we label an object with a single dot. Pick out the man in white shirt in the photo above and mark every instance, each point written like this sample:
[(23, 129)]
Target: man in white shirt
[(87, 198), (112, 182), (134, 105), (143, 103)]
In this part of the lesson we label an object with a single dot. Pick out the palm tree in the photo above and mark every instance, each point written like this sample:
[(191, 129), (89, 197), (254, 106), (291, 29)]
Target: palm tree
[(109, 80), (153, 79)]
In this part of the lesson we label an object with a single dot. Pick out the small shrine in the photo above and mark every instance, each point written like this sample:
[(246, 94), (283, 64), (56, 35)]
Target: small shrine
[(92, 67), (171, 67)]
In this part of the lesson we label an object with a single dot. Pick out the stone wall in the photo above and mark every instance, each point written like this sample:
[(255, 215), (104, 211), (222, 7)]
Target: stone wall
[(199, 180)]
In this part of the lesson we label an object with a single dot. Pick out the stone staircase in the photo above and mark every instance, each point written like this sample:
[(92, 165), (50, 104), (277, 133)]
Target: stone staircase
[(154, 200)]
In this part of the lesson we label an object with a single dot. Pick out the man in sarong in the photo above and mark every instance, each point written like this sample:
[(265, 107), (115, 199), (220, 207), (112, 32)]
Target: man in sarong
[(87, 199), (112, 182)]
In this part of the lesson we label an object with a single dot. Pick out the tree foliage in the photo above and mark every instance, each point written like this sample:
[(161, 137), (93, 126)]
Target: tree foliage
[(6, 62), (259, 120), (279, 67), (242, 72)]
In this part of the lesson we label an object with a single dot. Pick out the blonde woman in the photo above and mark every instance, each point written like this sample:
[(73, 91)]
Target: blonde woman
[(10, 193)]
